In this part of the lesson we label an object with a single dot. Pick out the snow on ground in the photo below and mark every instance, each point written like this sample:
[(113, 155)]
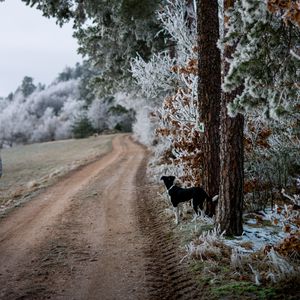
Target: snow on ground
[(267, 227)]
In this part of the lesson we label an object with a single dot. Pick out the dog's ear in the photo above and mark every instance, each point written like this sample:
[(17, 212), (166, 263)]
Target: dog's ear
[(162, 177)]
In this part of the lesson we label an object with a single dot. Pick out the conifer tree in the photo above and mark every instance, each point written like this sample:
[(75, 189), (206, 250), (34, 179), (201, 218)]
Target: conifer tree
[(116, 31), (231, 154), (265, 58), (261, 46)]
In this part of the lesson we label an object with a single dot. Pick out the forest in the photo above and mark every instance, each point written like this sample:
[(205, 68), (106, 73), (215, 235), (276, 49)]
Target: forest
[(66, 108), (210, 87)]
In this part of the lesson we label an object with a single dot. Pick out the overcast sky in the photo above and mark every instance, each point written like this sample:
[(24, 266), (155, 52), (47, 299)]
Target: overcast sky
[(32, 45)]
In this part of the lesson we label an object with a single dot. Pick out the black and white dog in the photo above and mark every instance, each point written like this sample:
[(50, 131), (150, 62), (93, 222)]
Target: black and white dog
[(196, 194)]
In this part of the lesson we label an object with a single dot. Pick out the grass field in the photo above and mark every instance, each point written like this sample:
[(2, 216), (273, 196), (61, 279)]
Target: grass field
[(31, 167)]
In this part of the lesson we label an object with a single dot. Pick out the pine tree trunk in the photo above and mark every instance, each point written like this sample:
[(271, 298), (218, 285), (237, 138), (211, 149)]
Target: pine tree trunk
[(209, 92), (230, 205)]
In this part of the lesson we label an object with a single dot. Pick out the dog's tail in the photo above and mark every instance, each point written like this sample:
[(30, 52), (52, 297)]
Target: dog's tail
[(215, 198), (211, 205)]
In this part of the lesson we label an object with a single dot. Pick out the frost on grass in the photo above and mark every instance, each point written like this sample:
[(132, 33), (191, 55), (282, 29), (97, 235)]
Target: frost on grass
[(265, 253), (209, 245), (280, 268)]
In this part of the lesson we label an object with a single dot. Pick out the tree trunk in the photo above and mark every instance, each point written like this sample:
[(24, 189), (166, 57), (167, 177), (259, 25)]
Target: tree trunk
[(230, 205), (209, 92)]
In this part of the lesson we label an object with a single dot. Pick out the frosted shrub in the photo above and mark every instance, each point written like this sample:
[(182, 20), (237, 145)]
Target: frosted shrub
[(174, 19), (168, 82), (178, 114), (209, 245), (143, 127), (236, 259), (280, 268), (178, 125), (271, 157), (154, 77), (98, 114)]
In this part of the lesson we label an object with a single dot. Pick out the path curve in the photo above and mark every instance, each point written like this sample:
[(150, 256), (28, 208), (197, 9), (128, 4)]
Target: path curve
[(94, 235)]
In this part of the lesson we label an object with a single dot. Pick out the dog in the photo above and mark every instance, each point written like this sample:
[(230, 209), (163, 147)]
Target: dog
[(196, 194)]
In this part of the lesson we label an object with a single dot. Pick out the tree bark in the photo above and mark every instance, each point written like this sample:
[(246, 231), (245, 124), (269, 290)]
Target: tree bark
[(209, 92), (230, 205)]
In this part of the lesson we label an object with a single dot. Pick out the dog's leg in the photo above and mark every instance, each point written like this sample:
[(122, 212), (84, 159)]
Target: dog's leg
[(195, 207), (176, 210)]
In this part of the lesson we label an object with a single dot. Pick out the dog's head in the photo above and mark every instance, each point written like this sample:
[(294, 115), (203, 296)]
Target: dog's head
[(168, 180)]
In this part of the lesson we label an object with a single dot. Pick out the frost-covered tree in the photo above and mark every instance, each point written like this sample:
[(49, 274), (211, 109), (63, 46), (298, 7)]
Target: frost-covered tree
[(98, 113), (50, 113), (82, 127), (263, 60), (107, 113), (110, 33), (169, 83), (262, 79), (46, 114), (27, 87), (87, 88)]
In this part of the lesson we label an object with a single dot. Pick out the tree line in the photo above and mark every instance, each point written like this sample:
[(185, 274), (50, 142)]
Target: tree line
[(67, 108)]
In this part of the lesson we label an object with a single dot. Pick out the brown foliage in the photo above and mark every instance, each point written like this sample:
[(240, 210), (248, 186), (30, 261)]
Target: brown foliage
[(190, 68), (257, 137), (289, 247), (183, 133), (185, 149), (288, 9)]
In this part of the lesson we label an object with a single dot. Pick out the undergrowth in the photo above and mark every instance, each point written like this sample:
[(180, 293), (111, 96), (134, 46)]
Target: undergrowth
[(261, 264)]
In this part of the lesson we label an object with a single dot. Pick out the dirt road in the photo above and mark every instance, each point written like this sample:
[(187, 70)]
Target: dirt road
[(93, 235)]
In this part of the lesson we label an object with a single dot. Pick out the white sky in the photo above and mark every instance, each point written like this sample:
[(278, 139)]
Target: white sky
[(32, 45)]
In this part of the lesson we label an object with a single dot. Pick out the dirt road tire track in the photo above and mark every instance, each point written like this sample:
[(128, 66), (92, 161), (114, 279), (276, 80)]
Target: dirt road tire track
[(98, 234), (167, 277)]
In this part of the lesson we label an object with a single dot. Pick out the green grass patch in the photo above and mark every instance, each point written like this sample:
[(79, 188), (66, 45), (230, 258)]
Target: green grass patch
[(245, 289), (197, 268), (223, 286)]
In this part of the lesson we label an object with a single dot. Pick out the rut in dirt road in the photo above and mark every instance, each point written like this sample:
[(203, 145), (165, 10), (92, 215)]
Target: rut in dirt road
[(94, 235)]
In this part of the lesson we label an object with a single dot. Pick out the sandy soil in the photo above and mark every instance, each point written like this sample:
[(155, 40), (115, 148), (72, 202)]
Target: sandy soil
[(94, 235)]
